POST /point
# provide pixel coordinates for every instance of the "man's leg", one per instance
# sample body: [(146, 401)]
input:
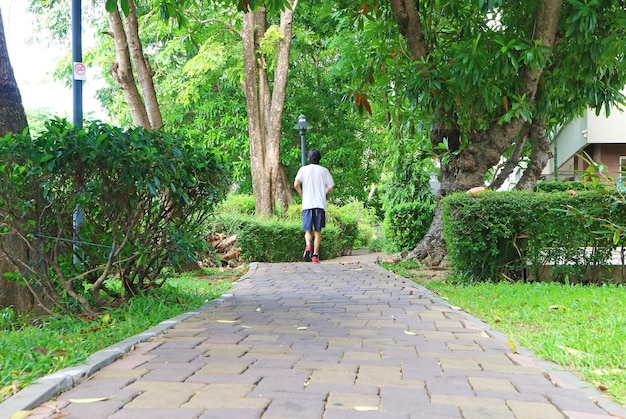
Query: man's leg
[(307, 226), (308, 249), (316, 243)]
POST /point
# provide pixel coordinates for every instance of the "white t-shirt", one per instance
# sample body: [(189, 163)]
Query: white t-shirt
[(315, 181)]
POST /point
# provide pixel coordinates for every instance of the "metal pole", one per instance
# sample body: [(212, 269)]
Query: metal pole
[(77, 89), (302, 146), (77, 57)]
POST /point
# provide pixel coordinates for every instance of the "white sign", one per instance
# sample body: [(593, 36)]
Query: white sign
[(80, 71)]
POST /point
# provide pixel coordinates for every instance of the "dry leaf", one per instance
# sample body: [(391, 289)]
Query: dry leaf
[(408, 332), (512, 345), (106, 318), (609, 371), (569, 350), (603, 387), (365, 408), (302, 328), (227, 321), (46, 351), (91, 400), (22, 414)]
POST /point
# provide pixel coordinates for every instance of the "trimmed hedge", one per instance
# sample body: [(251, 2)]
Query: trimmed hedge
[(274, 240), (406, 224), (515, 235)]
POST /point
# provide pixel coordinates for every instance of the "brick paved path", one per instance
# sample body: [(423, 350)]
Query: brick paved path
[(329, 340)]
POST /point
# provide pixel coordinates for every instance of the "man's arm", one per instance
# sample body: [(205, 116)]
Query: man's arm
[(296, 185)]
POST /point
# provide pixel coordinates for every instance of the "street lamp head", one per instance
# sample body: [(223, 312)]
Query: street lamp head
[(302, 124)]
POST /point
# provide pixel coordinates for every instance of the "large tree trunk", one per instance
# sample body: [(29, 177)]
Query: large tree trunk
[(468, 168), (129, 54), (265, 106), (540, 154), (12, 119)]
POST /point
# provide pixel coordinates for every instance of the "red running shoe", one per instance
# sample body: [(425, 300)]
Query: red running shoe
[(307, 253), (315, 259)]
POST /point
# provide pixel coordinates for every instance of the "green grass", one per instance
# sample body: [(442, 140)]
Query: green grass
[(31, 348), (580, 327)]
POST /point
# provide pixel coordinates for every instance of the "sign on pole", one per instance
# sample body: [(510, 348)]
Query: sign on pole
[(80, 71)]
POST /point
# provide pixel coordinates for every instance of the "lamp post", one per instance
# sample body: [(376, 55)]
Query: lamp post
[(302, 126), (78, 217)]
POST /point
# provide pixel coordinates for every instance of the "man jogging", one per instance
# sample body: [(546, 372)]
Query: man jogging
[(313, 183)]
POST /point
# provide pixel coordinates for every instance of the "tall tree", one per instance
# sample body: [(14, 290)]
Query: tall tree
[(265, 100), (12, 120), (493, 78), (144, 106)]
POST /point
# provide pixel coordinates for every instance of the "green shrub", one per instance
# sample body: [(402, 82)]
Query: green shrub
[(282, 239), (237, 204), (275, 240), (406, 224), (516, 234), (144, 197), (558, 186)]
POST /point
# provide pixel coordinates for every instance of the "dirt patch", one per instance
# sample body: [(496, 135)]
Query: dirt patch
[(429, 274)]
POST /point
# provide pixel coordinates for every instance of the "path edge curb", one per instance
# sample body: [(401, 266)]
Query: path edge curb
[(49, 386)]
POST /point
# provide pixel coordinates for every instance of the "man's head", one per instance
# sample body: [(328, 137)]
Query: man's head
[(314, 156)]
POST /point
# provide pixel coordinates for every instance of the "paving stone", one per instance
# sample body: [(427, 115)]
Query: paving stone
[(491, 384), (353, 401), (234, 413), (159, 394), (156, 413), (294, 407), (531, 410)]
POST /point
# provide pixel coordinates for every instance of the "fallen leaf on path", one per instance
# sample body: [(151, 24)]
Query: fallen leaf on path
[(22, 414), (512, 345), (227, 321), (90, 400), (365, 408), (408, 332), (302, 328)]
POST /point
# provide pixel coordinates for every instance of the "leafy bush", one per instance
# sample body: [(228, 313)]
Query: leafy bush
[(237, 204), (406, 223), (516, 234), (282, 239), (557, 186), (142, 198), (275, 240)]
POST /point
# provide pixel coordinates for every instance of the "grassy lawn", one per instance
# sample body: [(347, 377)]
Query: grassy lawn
[(31, 347), (580, 327)]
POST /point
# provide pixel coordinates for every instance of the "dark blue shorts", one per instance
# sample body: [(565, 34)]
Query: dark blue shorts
[(313, 219)]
